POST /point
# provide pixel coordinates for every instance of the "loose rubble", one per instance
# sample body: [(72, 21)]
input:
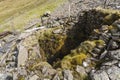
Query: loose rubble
[(64, 48)]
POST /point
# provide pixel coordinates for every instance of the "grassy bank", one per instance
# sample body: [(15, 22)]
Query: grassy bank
[(17, 13)]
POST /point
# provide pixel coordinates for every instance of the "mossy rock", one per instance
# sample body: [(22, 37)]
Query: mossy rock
[(20, 77), (80, 76), (70, 61), (75, 46), (111, 15), (78, 56), (51, 43)]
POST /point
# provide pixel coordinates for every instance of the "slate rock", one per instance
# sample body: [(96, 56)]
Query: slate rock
[(23, 55), (110, 63), (119, 64), (67, 75), (34, 77), (99, 75), (58, 31), (56, 77), (56, 24), (81, 70), (117, 24), (114, 45), (103, 54), (114, 73), (115, 54), (6, 76)]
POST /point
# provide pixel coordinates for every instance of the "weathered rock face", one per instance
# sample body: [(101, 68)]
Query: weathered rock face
[(67, 50), (110, 55)]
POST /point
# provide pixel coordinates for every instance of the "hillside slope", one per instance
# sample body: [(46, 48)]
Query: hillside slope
[(16, 13)]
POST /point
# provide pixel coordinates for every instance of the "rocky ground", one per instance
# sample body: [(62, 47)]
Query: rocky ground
[(80, 44), (82, 5)]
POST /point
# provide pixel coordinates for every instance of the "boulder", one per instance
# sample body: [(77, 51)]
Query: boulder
[(67, 75), (6, 76), (22, 56), (114, 73), (115, 54), (99, 75), (34, 77)]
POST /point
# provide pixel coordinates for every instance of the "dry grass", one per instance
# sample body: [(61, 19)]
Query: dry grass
[(18, 13)]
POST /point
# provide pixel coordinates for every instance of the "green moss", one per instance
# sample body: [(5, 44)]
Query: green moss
[(69, 61), (111, 15), (78, 59), (80, 76), (66, 62), (99, 42), (109, 19), (41, 64), (87, 46), (49, 42), (21, 77), (52, 44), (80, 54), (108, 11)]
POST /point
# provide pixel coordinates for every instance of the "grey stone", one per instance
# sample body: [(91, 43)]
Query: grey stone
[(114, 73), (6, 47), (117, 24), (36, 51), (114, 45), (10, 38), (58, 31), (103, 54), (99, 75), (114, 30), (2, 50), (12, 64), (116, 38), (22, 71), (46, 79), (15, 77), (96, 51), (81, 70), (85, 64), (68, 75), (24, 35), (110, 63), (115, 54), (23, 55), (47, 71), (56, 24), (6, 76), (9, 60), (56, 77), (119, 64), (61, 22), (104, 37), (93, 54), (100, 46), (34, 77), (71, 24), (118, 7), (14, 58)]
